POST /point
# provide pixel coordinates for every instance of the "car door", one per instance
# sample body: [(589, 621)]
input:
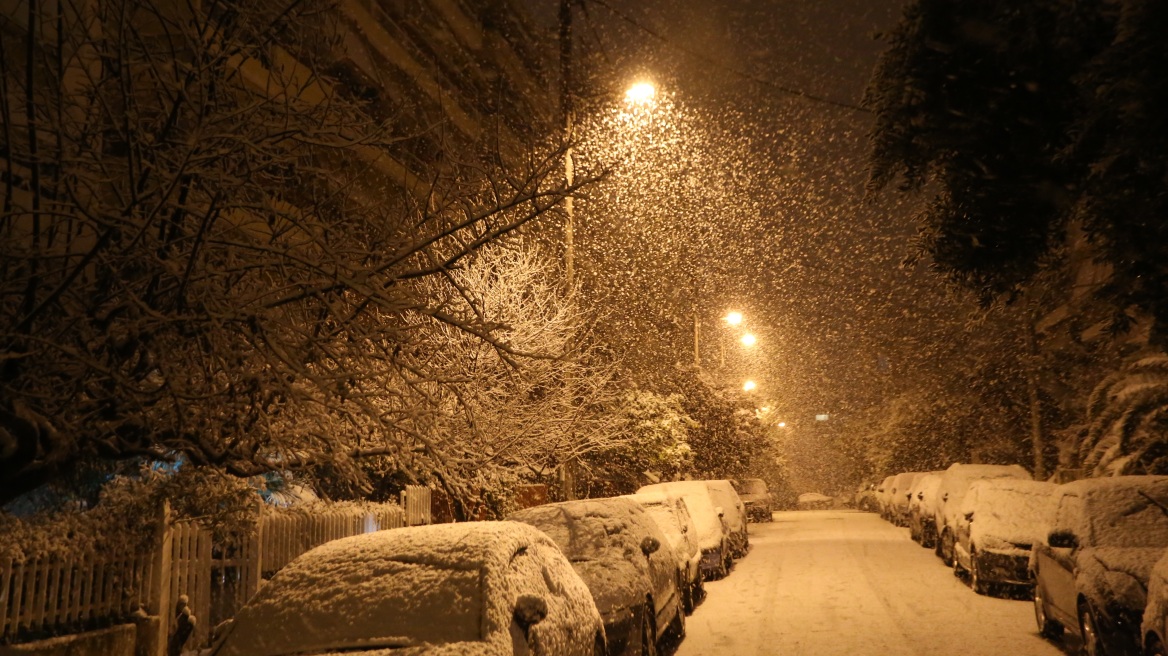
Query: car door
[(1057, 564), (570, 599), (662, 573), (525, 576)]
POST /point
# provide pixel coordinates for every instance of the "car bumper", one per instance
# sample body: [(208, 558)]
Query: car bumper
[(1003, 568), (757, 512), (711, 564)]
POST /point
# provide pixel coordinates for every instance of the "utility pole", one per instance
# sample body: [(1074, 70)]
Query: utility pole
[(569, 164), (570, 465)]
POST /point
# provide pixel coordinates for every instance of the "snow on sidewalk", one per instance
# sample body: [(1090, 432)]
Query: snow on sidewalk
[(822, 583)]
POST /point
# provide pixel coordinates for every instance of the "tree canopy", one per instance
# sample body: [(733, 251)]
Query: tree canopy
[(1026, 122)]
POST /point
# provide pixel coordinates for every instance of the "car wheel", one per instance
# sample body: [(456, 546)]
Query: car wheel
[(946, 547), (598, 648), (1089, 627), (976, 582), (1047, 627), (1155, 647), (686, 590), (677, 626), (648, 630)]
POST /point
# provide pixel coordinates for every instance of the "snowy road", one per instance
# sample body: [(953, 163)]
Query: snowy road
[(822, 583)]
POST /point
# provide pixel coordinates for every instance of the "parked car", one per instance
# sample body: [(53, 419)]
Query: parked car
[(1154, 627), (815, 501), (865, 498), (734, 511), (1000, 520), (622, 556), (1092, 572), (898, 501), (759, 503), (713, 531), (922, 527), (954, 483), (470, 588), (672, 516), (884, 495)]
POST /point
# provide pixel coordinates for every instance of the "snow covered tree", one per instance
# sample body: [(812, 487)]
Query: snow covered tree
[(654, 431), (209, 247), (1127, 420), (973, 102), (1024, 120)]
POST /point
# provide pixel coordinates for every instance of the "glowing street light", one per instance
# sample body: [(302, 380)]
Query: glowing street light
[(748, 340), (733, 318), (782, 424), (641, 93), (748, 386)]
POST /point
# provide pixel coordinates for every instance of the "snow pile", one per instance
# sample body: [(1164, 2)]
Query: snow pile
[(1009, 514), (428, 585), (701, 508)]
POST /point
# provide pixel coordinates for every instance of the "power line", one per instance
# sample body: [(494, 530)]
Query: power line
[(724, 66)]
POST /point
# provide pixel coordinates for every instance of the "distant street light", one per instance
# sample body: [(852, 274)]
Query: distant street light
[(748, 340), (782, 424), (748, 386), (641, 93), (733, 318)]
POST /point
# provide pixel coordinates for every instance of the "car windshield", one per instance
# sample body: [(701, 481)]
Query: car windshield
[(1127, 518), (588, 537), (753, 486), (359, 601)]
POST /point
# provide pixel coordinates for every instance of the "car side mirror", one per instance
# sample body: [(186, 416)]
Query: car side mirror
[(649, 545), (969, 516), (945, 497), (1062, 540), (720, 513), (920, 496), (530, 610)]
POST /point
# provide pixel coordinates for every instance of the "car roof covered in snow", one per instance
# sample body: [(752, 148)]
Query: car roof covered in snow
[(1117, 512), (1016, 511), (399, 587), (701, 508)]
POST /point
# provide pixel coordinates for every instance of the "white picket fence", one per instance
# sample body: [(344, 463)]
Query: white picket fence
[(52, 595)]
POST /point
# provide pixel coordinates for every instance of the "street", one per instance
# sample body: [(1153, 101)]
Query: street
[(819, 583)]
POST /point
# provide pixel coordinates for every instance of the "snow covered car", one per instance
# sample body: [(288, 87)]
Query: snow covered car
[(484, 588), (1091, 575), (921, 510), (673, 518), (1000, 520), (898, 501), (814, 501), (713, 529), (884, 495), (865, 498), (955, 483), (621, 555), (1155, 625), (734, 511), (757, 498)]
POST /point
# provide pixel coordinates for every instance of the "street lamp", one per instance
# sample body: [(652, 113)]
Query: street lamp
[(748, 340), (733, 318), (641, 93), (748, 386)]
